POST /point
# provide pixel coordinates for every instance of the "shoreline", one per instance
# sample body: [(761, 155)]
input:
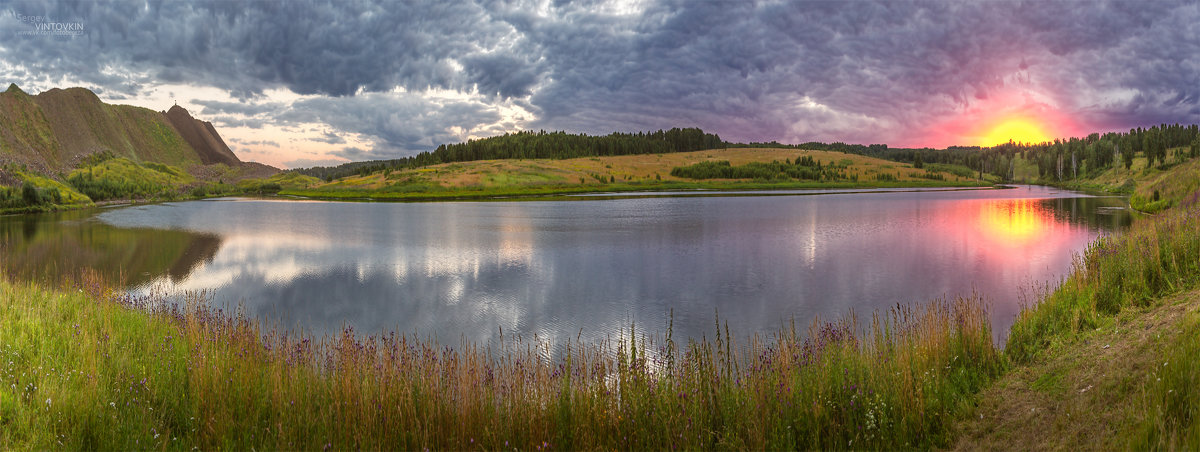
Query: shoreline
[(534, 194), (910, 377), (541, 192)]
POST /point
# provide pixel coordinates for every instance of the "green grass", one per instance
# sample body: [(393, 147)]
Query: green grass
[(1119, 281), (957, 170), (1151, 260), (121, 178), (1163, 189), (81, 370), (155, 139), (293, 180), (1172, 401), (28, 126), (46, 194), (501, 179), (802, 169), (70, 196)]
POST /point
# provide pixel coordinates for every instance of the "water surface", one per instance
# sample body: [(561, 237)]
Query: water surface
[(580, 268)]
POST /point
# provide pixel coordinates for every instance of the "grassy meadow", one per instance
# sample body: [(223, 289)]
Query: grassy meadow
[(544, 177), (106, 177)]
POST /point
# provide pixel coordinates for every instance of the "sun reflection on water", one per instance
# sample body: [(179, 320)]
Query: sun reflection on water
[(1015, 222)]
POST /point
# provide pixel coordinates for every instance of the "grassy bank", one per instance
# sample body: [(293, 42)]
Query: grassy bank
[(1129, 384), (1154, 259), (1110, 357), (105, 179), (82, 370)]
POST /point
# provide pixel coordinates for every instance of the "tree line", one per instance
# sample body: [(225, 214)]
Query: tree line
[(536, 145), (1058, 160), (1063, 159)]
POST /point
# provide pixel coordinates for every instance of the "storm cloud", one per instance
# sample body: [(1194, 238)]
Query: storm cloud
[(410, 75)]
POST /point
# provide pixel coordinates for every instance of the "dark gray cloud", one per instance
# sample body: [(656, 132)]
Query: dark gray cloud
[(503, 75), (861, 71), (310, 47)]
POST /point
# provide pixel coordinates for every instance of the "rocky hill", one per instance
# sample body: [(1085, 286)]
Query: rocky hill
[(57, 130), (201, 136)]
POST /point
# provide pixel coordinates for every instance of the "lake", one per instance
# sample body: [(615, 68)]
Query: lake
[(586, 268)]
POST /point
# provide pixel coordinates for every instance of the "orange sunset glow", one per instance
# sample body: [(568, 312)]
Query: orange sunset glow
[(1012, 115), (1018, 130)]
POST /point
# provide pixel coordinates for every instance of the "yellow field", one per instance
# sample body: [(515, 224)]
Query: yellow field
[(628, 168)]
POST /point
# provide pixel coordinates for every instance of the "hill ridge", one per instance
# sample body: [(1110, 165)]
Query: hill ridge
[(202, 136), (56, 130)]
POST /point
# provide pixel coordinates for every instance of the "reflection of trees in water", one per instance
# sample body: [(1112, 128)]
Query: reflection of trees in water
[(54, 247), (1108, 213)]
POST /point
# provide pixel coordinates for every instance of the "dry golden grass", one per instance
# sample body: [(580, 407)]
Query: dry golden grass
[(626, 168)]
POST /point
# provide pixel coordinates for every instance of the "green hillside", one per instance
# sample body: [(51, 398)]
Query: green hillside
[(25, 133), (73, 149), (54, 131)]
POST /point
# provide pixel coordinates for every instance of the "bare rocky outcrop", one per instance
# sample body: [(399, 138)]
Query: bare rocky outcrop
[(202, 137)]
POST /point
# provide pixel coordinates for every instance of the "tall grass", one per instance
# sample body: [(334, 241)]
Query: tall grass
[(1157, 257), (80, 369), (1154, 258), (1172, 402)]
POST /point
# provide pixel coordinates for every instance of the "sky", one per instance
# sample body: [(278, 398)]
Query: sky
[(306, 82)]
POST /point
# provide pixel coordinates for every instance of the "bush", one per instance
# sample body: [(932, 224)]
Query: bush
[(805, 168), (121, 178), (30, 194)]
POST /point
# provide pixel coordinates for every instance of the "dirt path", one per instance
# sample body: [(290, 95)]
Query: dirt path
[(1086, 396)]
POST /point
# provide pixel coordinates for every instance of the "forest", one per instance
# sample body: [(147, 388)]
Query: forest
[(1064, 159)]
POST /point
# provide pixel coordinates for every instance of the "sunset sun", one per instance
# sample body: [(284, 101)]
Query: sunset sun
[(1019, 130)]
